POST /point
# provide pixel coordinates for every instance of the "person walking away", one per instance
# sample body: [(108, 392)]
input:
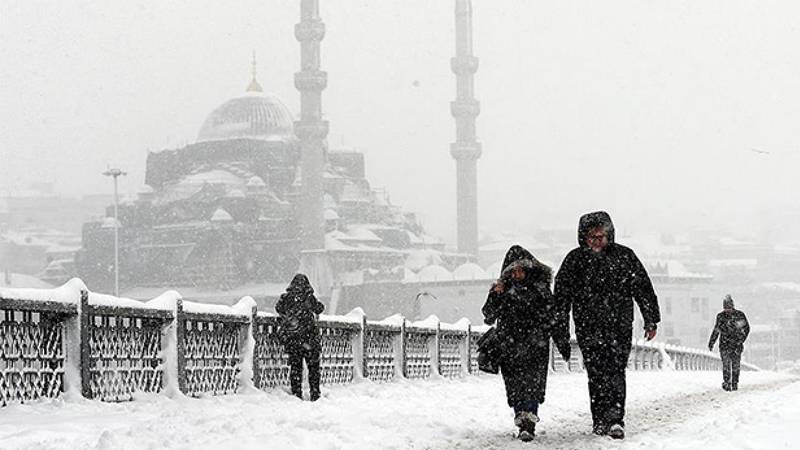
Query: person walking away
[(520, 303), (732, 329), (599, 281), (298, 332)]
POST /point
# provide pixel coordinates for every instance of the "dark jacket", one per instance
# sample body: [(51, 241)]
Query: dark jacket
[(523, 316), (298, 308), (732, 329), (600, 288)]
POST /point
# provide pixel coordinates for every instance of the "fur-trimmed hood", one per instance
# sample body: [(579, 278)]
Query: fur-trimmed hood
[(536, 271)]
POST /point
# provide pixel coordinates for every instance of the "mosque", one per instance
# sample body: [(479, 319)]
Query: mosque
[(260, 195)]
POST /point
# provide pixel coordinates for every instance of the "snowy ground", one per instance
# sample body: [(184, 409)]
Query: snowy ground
[(674, 410)]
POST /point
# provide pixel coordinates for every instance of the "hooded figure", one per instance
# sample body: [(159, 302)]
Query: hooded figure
[(299, 333), (732, 329), (520, 303), (599, 281)]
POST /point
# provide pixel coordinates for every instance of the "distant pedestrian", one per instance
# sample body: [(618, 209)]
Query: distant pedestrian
[(732, 329), (520, 303), (598, 282), (299, 333)]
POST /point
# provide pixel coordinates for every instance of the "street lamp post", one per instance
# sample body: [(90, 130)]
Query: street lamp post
[(115, 173)]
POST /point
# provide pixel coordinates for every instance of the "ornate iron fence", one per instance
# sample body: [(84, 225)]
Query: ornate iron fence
[(32, 349), (125, 351), (110, 349)]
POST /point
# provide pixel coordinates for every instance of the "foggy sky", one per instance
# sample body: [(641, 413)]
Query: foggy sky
[(648, 109)]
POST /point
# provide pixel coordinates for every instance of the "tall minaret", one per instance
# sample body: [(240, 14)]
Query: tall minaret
[(466, 150), (311, 130)]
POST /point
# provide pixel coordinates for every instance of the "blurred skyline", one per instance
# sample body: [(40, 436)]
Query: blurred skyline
[(669, 115)]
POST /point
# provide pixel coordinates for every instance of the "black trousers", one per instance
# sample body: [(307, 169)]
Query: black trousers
[(311, 355), (605, 357), (731, 363)]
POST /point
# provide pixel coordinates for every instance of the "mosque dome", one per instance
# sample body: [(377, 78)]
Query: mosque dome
[(255, 115)]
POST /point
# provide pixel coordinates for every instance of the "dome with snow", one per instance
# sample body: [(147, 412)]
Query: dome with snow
[(255, 115), (434, 272), (469, 271)]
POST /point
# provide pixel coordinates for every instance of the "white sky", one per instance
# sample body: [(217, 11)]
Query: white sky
[(648, 109)]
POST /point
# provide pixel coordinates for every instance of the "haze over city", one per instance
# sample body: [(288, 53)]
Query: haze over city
[(673, 115)]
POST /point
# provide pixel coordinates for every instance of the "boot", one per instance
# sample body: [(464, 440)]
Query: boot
[(525, 436), (526, 421), (616, 431)]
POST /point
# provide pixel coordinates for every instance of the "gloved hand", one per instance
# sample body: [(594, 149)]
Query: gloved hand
[(650, 331)]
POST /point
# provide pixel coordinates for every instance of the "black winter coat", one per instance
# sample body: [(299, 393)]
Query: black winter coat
[(732, 328), (298, 308), (523, 317), (600, 288)]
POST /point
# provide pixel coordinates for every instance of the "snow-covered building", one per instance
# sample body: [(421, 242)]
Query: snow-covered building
[(684, 297), (224, 211)]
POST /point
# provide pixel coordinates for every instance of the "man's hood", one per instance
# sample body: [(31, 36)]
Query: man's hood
[(594, 220), (517, 256)]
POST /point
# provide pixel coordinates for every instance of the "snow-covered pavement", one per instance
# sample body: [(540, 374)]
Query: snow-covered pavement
[(666, 410)]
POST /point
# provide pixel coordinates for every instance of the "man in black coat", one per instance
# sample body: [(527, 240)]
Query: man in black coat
[(732, 329), (299, 333), (598, 282), (521, 305)]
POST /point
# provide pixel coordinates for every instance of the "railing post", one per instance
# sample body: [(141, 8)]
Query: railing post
[(180, 345), (73, 377), (400, 351), (467, 361), (363, 348), (85, 351), (170, 353), (357, 342), (254, 358), (246, 352), (436, 363)]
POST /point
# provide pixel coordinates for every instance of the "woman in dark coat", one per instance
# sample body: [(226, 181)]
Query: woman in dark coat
[(521, 304), (299, 333)]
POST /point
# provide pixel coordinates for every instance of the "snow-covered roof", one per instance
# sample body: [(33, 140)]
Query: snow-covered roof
[(673, 269), (361, 234), (220, 215), (332, 241)]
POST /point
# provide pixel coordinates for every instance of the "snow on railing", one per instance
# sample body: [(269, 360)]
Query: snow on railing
[(649, 356), (78, 342)]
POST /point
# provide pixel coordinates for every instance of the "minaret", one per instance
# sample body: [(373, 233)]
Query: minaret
[(254, 86), (311, 130), (466, 150)]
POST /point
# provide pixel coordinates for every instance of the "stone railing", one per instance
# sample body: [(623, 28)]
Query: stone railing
[(101, 347)]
